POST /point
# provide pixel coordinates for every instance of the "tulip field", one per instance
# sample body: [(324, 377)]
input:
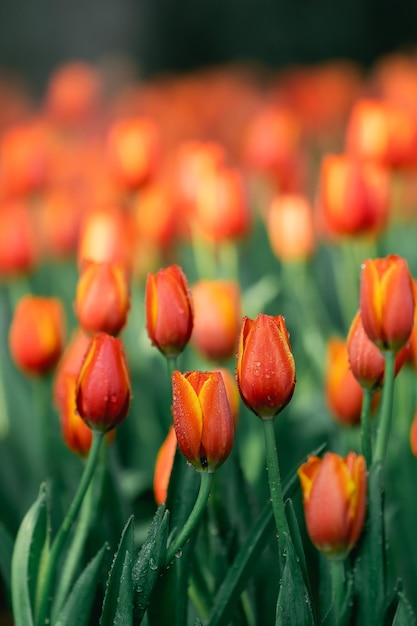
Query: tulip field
[(208, 405)]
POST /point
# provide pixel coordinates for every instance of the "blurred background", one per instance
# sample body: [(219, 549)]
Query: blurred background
[(164, 35)]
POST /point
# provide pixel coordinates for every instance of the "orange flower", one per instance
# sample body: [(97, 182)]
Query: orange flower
[(334, 496), (412, 345), (265, 365), (202, 418), (36, 334), (169, 312), (106, 236), (366, 360), (103, 386), (133, 151), (354, 196), (163, 466), (102, 297), (382, 132), (217, 318), (387, 301), (290, 227), (344, 395), (70, 364), (221, 211), (19, 248), (75, 432)]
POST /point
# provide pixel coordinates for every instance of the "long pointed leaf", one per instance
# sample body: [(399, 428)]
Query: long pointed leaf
[(77, 608), (31, 543)]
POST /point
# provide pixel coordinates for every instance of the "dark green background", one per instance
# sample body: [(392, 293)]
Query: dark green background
[(36, 35)]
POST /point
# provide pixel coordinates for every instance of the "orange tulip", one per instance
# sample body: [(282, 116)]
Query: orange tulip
[(70, 364), (366, 360), (102, 297), (36, 334), (344, 395), (232, 393), (387, 301), (202, 418), (103, 385), (265, 365), (75, 432), (133, 151), (19, 247), (163, 466), (354, 196), (334, 496), (169, 311), (412, 345), (217, 318), (382, 132), (290, 227)]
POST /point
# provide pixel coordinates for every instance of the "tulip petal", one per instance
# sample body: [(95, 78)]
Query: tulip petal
[(218, 426), (188, 417)]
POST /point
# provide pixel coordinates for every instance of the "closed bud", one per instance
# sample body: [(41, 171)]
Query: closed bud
[(169, 311), (103, 387), (334, 497), (202, 418), (102, 297), (387, 301), (265, 365), (217, 318), (36, 335)]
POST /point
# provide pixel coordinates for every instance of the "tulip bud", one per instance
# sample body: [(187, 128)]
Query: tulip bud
[(202, 418), (290, 227), (344, 395), (334, 498), (387, 301), (103, 386), (217, 318), (19, 248), (36, 334), (75, 432), (133, 151), (366, 360), (265, 365), (169, 312), (232, 393), (163, 466), (102, 297), (354, 196)]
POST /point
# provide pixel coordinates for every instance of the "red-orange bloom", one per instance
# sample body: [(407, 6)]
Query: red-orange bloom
[(354, 196), (387, 301), (19, 248), (217, 318), (366, 360), (202, 418), (232, 393), (133, 151), (265, 370), (290, 227), (163, 466), (334, 496), (36, 334), (102, 297), (75, 432), (169, 311), (344, 395), (103, 386)]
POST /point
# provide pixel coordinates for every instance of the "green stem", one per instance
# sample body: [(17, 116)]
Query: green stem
[(275, 484), (88, 513), (366, 430), (194, 518), (386, 407), (171, 366), (46, 583), (337, 570)]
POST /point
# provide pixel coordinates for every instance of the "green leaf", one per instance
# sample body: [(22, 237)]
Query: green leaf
[(6, 552), (293, 606), (28, 554), (77, 608), (404, 615), (118, 599), (149, 562)]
